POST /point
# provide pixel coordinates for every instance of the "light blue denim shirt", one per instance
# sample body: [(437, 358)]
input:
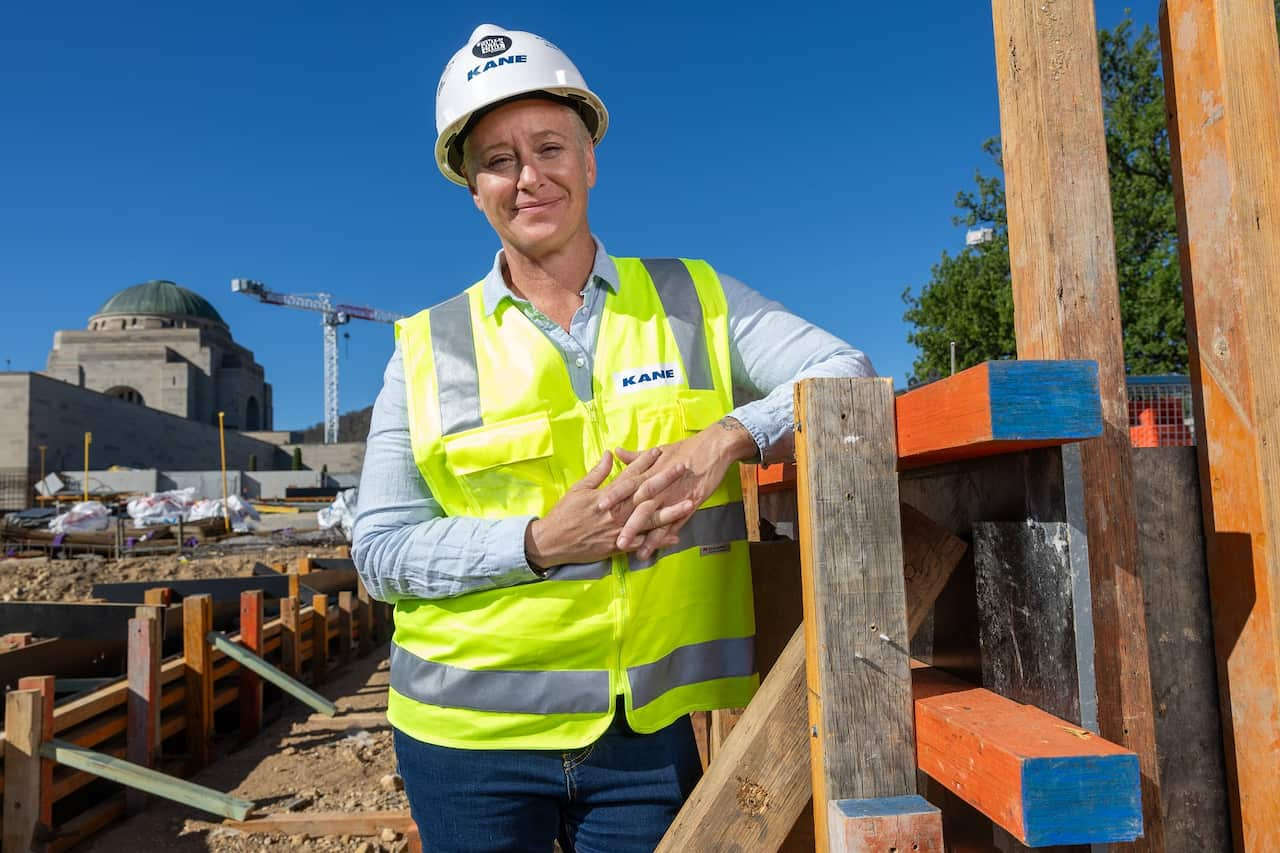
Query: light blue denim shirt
[(406, 547)]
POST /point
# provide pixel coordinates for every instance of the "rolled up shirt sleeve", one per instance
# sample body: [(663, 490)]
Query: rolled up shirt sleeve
[(770, 349), (403, 544)]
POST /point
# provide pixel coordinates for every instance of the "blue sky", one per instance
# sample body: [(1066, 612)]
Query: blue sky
[(812, 150)]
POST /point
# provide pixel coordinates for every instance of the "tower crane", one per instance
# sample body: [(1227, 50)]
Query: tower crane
[(332, 316)]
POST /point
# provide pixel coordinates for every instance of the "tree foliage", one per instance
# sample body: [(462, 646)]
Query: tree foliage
[(969, 298)]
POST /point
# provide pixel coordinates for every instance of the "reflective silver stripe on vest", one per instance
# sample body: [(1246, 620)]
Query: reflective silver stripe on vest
[(709, 527), (680, 301), (453, 345), (692, 664), (505, 690), (581, 571)]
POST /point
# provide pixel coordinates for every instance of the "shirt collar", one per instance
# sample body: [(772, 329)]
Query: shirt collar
[(494, 289)]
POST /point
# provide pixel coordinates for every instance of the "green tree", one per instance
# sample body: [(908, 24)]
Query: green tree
[(297, 459), (969, 299)]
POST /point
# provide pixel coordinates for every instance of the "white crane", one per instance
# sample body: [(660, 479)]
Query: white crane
[(332, 316)]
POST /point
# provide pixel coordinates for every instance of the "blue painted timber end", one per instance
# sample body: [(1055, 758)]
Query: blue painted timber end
[(1033, 400), (1081, 800), (907, 804)]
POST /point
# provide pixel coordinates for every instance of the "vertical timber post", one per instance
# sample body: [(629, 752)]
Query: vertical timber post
[(23, 723), (143, 707), (855, 612), (1222, 85), (290, 637), (319, 637), (46, 685), (197, 622), (250, 682), (1066, 305), (346, 624)]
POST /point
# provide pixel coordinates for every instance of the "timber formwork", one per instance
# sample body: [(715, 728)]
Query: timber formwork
[(162, 692)]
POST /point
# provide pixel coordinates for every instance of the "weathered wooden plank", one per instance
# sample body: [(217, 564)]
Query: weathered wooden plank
[(1222, 84), (886, 823), (23, 716), (346, 624), (325, 823), (1183, 676), (143, 705), (319, 638), (854, 601), (748, 799), (265, 670), (197, 622), (291, 637), (48, 696), (250, 684), (1066, 305), (151, 781)]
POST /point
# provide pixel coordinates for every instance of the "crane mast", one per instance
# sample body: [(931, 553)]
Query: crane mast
[(331, 317)]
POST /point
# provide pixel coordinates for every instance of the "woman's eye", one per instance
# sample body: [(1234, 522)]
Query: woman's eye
[(500, 162), (550, 150)]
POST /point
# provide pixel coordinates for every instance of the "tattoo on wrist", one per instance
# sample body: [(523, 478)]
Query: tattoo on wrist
[(731, 424)]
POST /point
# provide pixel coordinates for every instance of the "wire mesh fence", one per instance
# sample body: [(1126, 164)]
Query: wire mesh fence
[(15, 489), (1160, 411)]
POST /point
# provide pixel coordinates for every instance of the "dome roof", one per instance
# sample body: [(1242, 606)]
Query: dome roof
[(160, 297)]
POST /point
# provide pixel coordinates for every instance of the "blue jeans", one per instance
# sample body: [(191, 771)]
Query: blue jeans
[(617, 795)]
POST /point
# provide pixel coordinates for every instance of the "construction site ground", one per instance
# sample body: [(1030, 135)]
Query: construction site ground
[(290, 764)]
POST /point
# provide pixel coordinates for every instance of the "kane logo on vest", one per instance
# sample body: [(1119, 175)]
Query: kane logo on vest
[(638, 379), (490, 46)]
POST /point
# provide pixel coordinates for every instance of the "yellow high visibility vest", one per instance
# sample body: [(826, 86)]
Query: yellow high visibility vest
[(497, 430)]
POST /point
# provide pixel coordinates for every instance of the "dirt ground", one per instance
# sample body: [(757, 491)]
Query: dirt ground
[(330, 771), (45, 579)]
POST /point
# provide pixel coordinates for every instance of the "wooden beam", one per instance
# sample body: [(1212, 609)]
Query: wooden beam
[(356, 720), (887, 823), (998, 407), (250, 684), (1222, 81), (759, 784), (854, 601), (23, 716), (346, 624), (151, 781), (291, 637), (319, 638), (1066, 305), (1046, 782), (289, 685), (325, 823), (143, 705), (197, 622), (46, 684)]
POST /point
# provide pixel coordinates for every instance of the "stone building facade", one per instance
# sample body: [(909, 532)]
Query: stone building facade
[(160, 345)]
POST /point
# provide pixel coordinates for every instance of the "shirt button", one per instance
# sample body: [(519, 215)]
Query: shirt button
[(581, 362)]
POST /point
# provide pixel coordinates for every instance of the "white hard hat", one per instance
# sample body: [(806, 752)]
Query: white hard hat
[(497, 65)]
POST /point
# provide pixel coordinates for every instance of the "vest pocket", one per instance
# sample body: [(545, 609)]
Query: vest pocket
[(699, 409), (506, 468)]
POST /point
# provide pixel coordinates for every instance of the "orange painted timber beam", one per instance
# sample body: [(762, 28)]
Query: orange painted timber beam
[(992, 408), (1044, 780)]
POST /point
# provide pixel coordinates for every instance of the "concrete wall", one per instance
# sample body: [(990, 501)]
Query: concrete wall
[(271, 485), (344, 456), (35, 410)]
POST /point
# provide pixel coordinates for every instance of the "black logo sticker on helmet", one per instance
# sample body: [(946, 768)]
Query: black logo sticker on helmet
[(491, 46)]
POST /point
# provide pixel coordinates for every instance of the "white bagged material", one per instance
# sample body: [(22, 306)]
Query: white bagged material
[(161, 507), (86, 517), (340, 514), (244, 518)]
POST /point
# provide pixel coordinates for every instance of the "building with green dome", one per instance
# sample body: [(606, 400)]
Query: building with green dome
[(160, 345)]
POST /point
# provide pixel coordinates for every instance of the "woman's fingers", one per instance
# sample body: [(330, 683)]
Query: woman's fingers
[(624, 487), (597, 475)]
